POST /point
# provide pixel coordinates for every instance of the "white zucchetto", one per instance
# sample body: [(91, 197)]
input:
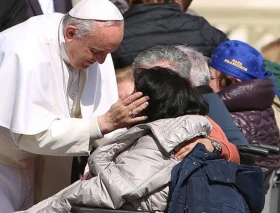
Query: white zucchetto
[(103, 10)]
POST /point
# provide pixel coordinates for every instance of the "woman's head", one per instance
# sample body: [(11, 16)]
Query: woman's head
[(170, 95), (125, 81), (235, 61)]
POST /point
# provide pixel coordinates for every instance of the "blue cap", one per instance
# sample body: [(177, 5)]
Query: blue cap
[(240, 60)]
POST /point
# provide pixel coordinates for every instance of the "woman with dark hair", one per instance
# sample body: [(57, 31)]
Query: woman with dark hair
[(170, 95), (133, 170)]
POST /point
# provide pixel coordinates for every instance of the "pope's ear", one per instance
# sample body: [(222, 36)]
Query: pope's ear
[(70, 32)]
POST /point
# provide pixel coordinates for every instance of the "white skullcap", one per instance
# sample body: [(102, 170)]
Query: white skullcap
[(102, 10)]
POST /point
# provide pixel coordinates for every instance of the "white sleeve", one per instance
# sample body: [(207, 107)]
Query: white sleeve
[(65, 137)]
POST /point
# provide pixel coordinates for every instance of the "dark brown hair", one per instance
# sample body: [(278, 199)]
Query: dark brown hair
[(226, 80), (170, 95)]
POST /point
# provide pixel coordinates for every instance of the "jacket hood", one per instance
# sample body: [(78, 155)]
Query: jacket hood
[(168, 132), (257, 94), (171, 132)]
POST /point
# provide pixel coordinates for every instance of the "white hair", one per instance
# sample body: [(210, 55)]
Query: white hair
[(199, 72), (85, 27), (164, 56)]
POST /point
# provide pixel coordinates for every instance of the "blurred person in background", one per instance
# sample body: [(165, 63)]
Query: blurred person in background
[(125, 81), (271, 54), (39, 7), (150, 23), (240, 79), (12, 12), (271, 51)]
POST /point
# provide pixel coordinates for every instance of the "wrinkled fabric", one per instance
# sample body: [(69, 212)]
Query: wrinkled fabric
[(219, 113), (148, 25), (249, 103), (133, 170), (203, 183)]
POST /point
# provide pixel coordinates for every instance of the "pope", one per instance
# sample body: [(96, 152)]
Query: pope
[(59, 93)]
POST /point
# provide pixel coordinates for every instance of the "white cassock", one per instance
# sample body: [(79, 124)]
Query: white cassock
[(38, 91)]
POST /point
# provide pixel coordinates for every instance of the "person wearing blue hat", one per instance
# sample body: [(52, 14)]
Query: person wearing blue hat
[(239, 77), (236, 61)]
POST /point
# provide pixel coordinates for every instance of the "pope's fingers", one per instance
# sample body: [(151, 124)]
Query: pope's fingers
[(131, 98), (140, 108), (139, 119), (139, 104)]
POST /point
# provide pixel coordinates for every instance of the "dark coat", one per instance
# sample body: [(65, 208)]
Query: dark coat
[(148, 25), (61, 6), (249, 103), (203, 183), (12, 12), (220, 114)]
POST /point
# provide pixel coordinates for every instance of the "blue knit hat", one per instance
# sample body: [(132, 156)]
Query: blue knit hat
[(239, 60)]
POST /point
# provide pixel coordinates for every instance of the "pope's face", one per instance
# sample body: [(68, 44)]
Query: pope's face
[(84, 51)]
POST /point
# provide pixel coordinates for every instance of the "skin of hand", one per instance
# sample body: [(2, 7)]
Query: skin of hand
[(185, 148), (119, 116)]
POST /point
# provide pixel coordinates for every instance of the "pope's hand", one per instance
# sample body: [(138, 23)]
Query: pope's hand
[(124, 113), (185, 148)]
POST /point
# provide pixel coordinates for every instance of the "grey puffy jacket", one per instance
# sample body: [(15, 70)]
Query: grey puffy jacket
[(133, 170)]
